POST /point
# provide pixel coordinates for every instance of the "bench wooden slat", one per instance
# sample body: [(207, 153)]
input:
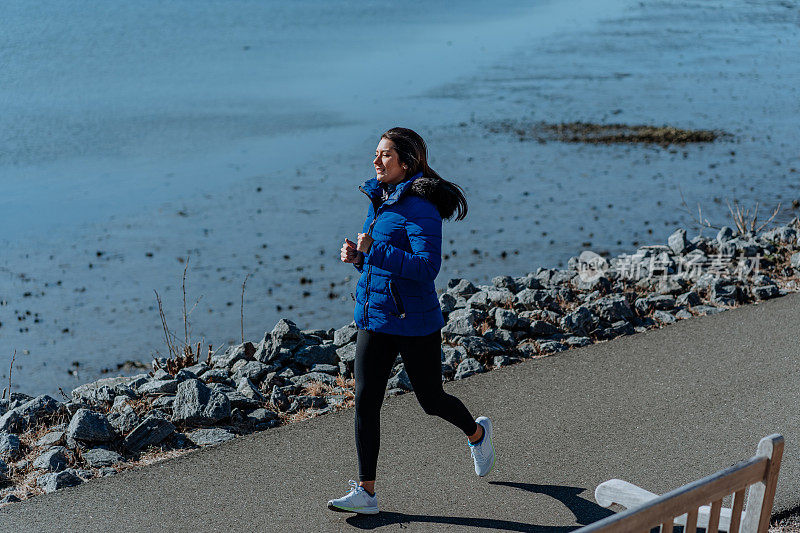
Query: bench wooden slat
[(736, 512), (691, 522), (713, 519), (666, 527)]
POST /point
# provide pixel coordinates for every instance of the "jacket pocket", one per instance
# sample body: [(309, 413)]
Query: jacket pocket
[(398, 303)]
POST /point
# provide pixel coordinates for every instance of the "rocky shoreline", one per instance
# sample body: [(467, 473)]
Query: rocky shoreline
[(123, 422)]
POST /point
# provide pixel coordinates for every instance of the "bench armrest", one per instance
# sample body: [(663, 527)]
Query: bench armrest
[(629, 495)]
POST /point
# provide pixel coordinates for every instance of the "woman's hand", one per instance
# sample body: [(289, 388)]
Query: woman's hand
[(364, 242), (349, 252)]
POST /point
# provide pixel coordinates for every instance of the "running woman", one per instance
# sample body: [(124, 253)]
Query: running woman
[(397, 309)]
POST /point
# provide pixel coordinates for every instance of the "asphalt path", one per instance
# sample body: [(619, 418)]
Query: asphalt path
[(659, 409)]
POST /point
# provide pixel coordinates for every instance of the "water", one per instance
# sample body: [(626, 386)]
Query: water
[(237, 133)]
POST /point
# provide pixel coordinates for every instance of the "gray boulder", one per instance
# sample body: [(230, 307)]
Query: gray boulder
[(550, 346), (54, 437), (461, 287), (197, 404), (99, 457), (345, 335), (347, 357), (400, 381), (245, 351), (581, 321), (317, 354), (468, 367), (279, 399), (725, 234), (795, 261), (665, 317), (540, 328), (313, 377), (458, 326), (479, 347), (124, 419), (89, 426), (505, 282), (765, 292), (58, 480), (507, 319), (19, 418), (724, 292), (159, 386), (654, 302), (53, 460), (689, 298), (678, 242), (210, 436), (152, 430), (9, 445), (252, 370), (611, 308)]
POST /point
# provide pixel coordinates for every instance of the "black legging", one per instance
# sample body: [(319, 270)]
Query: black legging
[(375, 356)]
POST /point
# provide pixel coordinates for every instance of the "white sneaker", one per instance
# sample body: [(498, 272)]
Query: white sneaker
[(483, 453), (357, 500)]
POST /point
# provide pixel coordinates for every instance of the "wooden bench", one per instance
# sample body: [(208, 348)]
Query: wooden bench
[(698, 504)]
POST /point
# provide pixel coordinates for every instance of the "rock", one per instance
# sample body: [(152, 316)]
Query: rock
[(670, 285), (540, 328), (786, 234), (160, 375), (501, 336), (611, 308), (531, 299), (101, 389), (458, 326), (725, 234), (468, 367), (313, 377), (794, 261), (252, 370), (345, 335), (246, 387), (164, 402), (707, 309), (317, 354), (154, 429), (461, 287), (106, 471), (54, 437), (550, 346), (723, 292), (621, 327), (529, 281), (89, 426), (689, 298), (19, 418), (304, 401), (9, 445), (9, 498), (651, 303), (245, 351), (279, 399), (347, 356), (447, 302), (196, 404), (505, 282), (99, 457), (261, 416), (765, 292), (577, 341), (678, 242), (123, 420), (581, 321), (53, 460), (183, 374), (479, 347), (159, 386), (58, 480), (400, 381), (683, 314), (325, 369), (507, 319), (215, 375), (664, 317)]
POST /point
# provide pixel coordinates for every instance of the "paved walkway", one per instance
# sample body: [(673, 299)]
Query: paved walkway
[(659, 408)]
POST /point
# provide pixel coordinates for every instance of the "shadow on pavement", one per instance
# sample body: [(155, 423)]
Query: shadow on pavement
[(584, 510)]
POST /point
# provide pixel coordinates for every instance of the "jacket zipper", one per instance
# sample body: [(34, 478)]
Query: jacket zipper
[(375, 208)]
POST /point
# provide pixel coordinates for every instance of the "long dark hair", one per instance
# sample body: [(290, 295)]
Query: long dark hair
[(413, 152)]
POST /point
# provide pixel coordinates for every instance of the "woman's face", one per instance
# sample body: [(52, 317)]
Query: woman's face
[(388, 168)]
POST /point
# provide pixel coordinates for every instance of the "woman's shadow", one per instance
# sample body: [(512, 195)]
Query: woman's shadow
[(585, 512)]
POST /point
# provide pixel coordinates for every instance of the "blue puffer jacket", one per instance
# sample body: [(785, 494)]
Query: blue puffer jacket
[(395, 292)]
